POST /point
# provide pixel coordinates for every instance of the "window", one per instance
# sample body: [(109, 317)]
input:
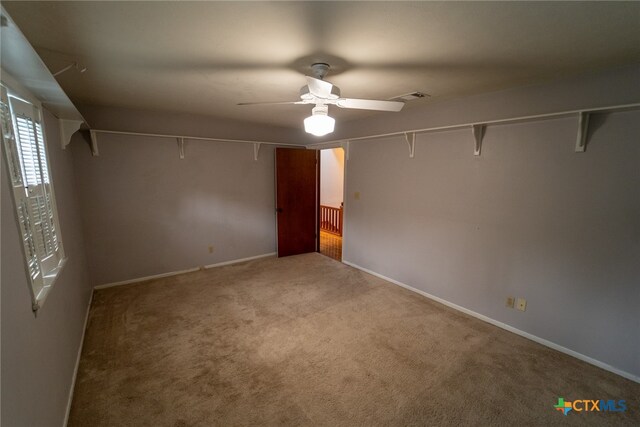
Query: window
[(30, 179)]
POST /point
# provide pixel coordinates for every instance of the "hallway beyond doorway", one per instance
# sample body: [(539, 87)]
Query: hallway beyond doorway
[(330, 209), (331, 245)]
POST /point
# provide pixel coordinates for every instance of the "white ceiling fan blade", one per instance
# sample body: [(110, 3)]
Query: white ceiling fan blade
[(370, 104), (319, 88), (271, 103)]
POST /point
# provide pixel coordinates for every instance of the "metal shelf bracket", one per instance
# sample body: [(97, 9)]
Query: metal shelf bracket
[(478, 134), (583, 130), (67, 129), (94, 143), (410, 137), (345, 147), (181, 147)]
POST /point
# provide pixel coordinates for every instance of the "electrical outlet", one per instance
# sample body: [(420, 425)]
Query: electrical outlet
[(510, 302), (522, 304), (356, 195), (210, 249)]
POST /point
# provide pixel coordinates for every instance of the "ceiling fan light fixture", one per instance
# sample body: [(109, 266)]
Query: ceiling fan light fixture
[(319, 123)]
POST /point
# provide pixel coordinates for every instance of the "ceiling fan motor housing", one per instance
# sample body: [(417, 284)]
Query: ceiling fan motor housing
[(320, 70)]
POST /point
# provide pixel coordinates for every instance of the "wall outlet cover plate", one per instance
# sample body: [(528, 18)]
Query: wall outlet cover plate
[(522, 304)]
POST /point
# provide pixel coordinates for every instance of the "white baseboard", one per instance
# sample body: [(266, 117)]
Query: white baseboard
[(509, 328), (175, 273), (75, 370), (142, 279), (235, 261)]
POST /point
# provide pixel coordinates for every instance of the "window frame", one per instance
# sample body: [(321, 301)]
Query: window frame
[(49, 265)]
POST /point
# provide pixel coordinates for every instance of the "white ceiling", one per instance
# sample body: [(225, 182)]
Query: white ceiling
[(205, 57)]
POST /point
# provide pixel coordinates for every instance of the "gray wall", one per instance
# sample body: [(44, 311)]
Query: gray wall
[(591, 90), (160, 122), (148, 212), (39, 354), (528, 218)]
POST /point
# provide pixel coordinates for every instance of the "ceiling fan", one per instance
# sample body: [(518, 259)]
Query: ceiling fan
[(322, 94)]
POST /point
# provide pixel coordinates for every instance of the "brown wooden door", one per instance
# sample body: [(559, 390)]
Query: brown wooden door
[(296, 200)]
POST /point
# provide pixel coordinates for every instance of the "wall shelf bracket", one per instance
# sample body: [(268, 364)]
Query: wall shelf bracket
[(181, 147), (345, 147), (410, 137), (583, 130), (478, 134), (67, 129), (256, 150), (94, 143)]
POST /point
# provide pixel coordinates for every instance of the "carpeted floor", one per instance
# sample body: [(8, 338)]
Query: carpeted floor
[(306, 340)]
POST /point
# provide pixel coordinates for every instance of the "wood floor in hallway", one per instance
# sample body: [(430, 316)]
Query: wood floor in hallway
[(331, 245)]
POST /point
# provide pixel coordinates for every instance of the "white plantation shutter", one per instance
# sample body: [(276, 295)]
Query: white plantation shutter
[(42, 154), (28, 149), (26, 154), (20, 192), (15, 169), (33, 265)]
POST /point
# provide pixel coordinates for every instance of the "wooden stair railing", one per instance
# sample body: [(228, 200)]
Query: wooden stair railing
[(331, 219)]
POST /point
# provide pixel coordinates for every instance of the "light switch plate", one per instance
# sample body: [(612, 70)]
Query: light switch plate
[(511, 301), (356, 195)]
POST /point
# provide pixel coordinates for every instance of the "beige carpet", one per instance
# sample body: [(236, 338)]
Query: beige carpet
[(306, 340)]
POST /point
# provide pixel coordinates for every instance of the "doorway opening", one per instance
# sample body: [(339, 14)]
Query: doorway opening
[(331, 212)]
